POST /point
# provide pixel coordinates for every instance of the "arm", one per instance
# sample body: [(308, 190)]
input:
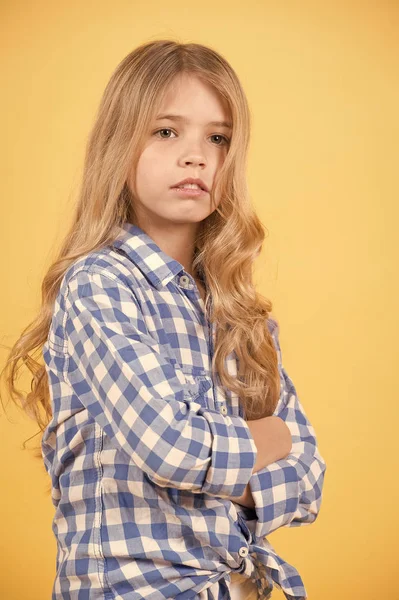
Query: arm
[(288, 492), (130, 386), (246, 499), (273, 441)]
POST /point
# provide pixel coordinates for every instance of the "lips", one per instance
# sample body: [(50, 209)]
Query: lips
[(199, 182)]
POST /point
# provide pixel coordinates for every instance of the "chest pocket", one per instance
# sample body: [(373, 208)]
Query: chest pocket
[(198, 386)]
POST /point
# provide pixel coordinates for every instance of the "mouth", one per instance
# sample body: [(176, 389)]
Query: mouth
[(192, 181), (189, 192)]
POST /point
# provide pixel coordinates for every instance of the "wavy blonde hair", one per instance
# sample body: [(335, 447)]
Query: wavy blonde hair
[(228, 242)]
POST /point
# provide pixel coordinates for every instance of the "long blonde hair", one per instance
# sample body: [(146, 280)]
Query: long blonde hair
[(229, 240)]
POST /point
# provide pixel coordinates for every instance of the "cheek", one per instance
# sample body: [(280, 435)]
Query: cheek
[(143, 164), (151, 169)]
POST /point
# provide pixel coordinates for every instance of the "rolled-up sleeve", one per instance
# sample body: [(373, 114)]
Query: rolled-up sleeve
[(288, 492), (132, 389)]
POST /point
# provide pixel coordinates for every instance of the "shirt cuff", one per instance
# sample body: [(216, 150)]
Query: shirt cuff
[(234, 455)]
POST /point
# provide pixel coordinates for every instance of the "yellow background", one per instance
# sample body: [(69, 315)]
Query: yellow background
[(322, 83)]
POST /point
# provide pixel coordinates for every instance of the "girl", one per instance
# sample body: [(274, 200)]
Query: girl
[(173, 436)]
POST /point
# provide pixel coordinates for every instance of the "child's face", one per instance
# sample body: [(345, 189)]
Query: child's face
[(186, 149)]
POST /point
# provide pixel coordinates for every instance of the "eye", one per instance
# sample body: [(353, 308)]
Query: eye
[(225, 139), (163, 129)]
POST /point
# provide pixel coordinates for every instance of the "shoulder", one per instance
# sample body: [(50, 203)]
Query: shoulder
[(274, 330), (273, 325), (104, 264), (102, 280)]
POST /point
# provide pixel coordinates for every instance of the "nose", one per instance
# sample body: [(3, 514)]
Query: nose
[(195, 161), (194, 155)]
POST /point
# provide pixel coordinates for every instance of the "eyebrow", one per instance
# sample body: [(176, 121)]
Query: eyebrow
[(226, 124)]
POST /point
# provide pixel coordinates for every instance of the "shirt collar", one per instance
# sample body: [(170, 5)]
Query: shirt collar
[(156, 265)]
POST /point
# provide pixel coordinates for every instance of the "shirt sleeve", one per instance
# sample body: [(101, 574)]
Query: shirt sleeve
[(288, 492), (130, 386)]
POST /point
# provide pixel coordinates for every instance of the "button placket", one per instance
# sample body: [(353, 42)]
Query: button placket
[(185, 283), (244, 528)]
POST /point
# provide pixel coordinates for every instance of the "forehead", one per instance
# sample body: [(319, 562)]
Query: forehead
[(188, 98)]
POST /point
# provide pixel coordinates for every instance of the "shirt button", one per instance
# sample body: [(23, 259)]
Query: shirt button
[(223, 410), (243, 551), (184, 280)]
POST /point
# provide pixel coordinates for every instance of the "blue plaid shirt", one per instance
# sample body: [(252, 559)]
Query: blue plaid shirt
[(145, 449)]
